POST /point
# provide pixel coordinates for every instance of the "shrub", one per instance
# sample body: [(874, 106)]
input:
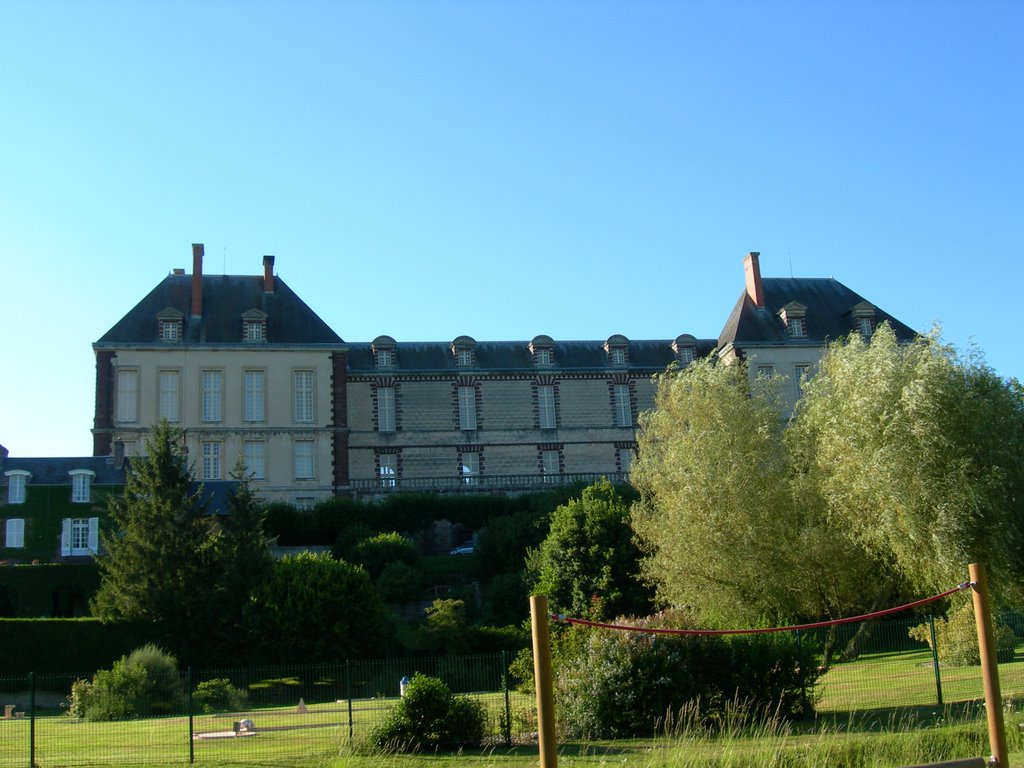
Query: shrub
[(144, 683), (956, 638), (616, 685), (376, 552), (399, 583), (430, 716), (218, 695)]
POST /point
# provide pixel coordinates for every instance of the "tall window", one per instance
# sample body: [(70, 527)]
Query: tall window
[(211, 460), (303, 459), (800, 375), (255, 401), (79, 535), (765, 371), (14, 537), (866, 326), (170, 398), (685, 355), (546, 406), (81, 483), (16, 486), (255, 457), (796, 327), (623, 409), (625, 459), (303, 396), (551, 465), (470, 468), (128, 396), (385, 409), (467, 408), (388, 469), (212, 395), (385, 358)]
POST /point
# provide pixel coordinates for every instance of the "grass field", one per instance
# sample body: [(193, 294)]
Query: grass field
[(881, 710)]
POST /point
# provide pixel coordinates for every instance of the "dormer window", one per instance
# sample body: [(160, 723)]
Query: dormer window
[(81, 485), (17, 479), (254, 327), (543, 350), (169, 325), (464, 351), (794, 315), (864, 319), (617, 348), (383, 349), (685, 347)]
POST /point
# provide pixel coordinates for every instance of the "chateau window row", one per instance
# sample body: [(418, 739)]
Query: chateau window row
[(801, 372), (467, 407), (79, 535), (81, 485), (254, 460), (212, 400), (468, 464)]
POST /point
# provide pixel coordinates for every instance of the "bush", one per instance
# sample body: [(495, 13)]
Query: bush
[(957, 638), (619, 685), (430, 716), (144, 683), (218, 695), (376, 552), (164, 687), (399, 583)]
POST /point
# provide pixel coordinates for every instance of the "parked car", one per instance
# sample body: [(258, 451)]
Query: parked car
[(465, 549)]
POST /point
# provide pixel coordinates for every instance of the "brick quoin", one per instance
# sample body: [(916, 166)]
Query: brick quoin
[(103, 421)]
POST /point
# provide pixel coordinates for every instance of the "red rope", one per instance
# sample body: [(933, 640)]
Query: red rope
[(812, 625)]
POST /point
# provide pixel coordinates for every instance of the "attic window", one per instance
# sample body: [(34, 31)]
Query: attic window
[(617, 348), (169, 325), (254, 327), (383, 349), (864, 318), (16, 481), (81, 484), (464, 351), (542, 349), (685, 347), (794, 315)]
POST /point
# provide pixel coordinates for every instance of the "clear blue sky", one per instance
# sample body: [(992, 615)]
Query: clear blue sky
[(500, 169)]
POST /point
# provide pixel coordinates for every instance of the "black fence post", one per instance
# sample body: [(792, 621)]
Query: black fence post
[(348, 696), (508, 703), (191, 725), (935, 658), (32, 719)]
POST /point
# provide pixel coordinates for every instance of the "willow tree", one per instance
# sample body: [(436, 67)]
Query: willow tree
[(916, 452), (730, 531)]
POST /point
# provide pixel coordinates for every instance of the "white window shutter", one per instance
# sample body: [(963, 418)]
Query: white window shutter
[(94, 535), (15, 537), (65, 537)]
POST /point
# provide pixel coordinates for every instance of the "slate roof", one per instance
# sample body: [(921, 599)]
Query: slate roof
[(829, 317), (225, 298), (436, 356), (54, 471)]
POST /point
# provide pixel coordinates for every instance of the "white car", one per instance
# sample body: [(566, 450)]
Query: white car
[(465, 549)]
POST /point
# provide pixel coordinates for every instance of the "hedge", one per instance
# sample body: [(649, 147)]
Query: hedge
[(52, 646)]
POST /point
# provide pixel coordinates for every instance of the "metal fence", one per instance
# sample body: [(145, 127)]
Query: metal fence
[(285, 712), (315, 711)]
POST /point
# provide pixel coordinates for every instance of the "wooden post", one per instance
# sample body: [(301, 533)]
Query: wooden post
[(542, 678), (989, 666)]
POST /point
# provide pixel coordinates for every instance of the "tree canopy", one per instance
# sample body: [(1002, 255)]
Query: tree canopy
[(916, 453), (900, 465), (588, 564), (172, 566), (730, 532)]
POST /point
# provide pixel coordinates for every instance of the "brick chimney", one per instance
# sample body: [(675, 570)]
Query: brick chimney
[(268, 274), (197, 279), (752, 271)]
